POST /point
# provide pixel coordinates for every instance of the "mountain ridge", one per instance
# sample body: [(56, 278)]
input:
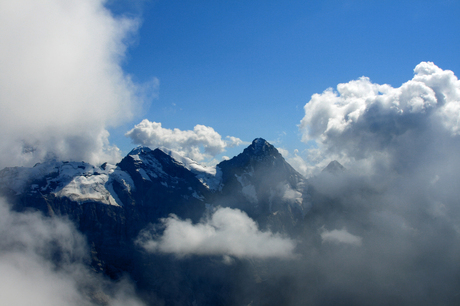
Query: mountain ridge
[(111, 204)]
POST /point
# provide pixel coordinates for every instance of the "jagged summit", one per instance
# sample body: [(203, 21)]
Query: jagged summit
[(139, 149), (260, 182), (259, 144), (261, 147), (259, 153), (163, 164)]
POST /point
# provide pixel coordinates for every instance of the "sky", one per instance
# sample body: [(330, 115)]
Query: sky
[(247, 68), (91, 80)]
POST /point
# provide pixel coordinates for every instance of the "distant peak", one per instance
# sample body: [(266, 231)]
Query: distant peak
[(139, 149), (334, 167)]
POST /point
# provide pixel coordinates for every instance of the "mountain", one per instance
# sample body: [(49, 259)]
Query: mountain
[(111, 204), (347, 240), (334, 167), (260, 182)]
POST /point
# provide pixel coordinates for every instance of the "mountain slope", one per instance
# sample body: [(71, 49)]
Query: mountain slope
[(260, 182), (111, 204)]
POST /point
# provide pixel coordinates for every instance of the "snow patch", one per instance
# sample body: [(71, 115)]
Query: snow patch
[(88, 189), (147, 165), (144, 174), (211, 177), (78, 181), (248, 189)]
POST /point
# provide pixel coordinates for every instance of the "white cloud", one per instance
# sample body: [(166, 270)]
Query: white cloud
[(378, 124), (228, 232), (43, 261), (283, 152), (340, 236), (399, 194), (61, 79), (201, 143)]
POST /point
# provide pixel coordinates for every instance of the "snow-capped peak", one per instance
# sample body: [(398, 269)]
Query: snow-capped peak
[(188, 163), (139, 149), (78, 181), (208, 176)]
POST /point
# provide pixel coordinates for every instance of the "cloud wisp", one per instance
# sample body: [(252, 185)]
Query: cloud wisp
[(228, 232), (340, 236), (62, 81), (203, 142), (44, 261)]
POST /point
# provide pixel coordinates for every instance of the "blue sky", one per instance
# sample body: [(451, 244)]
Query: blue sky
[(244, 68), (247, 68)]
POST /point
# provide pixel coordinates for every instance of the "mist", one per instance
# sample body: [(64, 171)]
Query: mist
[(45, 261)]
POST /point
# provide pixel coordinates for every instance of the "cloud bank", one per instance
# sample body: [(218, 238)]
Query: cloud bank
[(61, 81), (229, 232), (201, 143), (385, 230), (44, 261), (378, 124)]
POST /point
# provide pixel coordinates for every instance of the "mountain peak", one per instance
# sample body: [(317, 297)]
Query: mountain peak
[(139, 149), (261, 147), (334, 167), (259, 144)]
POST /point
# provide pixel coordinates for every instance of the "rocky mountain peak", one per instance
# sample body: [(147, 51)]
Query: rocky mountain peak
[(260, 182), (139, 149), (259, 154), (260, 147)]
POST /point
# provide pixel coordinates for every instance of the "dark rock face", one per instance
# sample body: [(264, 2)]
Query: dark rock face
[(112, 204), (163, 186), (260, 182)]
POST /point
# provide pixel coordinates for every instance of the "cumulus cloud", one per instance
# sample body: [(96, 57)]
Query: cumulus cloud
[(201, 143), (61, 79), (228, 232), (378, 124), (43, 261), (398, 197), (283, 152)]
